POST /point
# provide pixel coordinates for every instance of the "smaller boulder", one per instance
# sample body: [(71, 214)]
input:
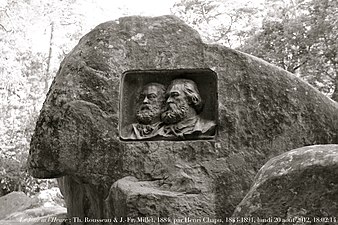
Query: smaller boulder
[(299, 186), (147, 202), (15, 202), (43, 209)]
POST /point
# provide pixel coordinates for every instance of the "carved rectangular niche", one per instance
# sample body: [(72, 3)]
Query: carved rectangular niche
[(152, 104)]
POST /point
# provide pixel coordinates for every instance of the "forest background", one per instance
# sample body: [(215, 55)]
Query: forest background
[(299, 36)]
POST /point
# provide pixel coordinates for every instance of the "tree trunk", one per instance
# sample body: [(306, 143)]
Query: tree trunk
[(49, 56)]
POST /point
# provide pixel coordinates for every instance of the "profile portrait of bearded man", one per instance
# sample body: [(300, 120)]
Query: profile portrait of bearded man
[(183, 104), (148, 112)]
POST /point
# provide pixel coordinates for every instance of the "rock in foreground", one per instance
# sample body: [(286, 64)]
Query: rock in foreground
[(129, 198), (15, 202), (301, 184), (18, 208)]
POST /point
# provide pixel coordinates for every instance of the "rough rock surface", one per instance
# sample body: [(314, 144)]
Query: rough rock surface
[(130, 198), (263, 111), (298, 186)]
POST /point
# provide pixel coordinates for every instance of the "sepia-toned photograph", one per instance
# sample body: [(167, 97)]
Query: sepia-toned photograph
[(187, 112)]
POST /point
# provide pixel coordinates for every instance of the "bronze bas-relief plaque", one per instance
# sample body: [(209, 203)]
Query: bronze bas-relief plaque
[(168, 104)]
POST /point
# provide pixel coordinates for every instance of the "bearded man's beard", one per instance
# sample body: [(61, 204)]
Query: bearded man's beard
[(147, 113), (175, 113)]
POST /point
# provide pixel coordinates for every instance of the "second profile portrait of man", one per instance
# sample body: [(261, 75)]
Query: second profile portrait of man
[(171, 113)]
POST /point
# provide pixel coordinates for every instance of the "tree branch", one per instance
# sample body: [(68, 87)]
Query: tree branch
[(203, 14), (224, 34), (3, 28), (299, 65)]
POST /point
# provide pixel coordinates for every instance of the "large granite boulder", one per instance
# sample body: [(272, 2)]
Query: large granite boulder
[(260, 110), (299, 186)]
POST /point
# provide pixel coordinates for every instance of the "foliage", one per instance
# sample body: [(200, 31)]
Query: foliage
[(221, 21), (301, 37), (33, 38), (14, 177)]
